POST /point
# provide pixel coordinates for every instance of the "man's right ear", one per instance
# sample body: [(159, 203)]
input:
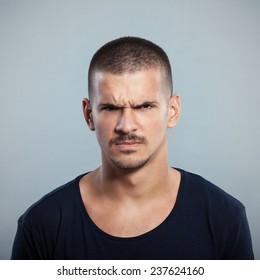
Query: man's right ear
[(87, 111)]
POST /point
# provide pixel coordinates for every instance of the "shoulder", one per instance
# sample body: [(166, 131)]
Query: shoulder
[(51, 206), (217, 208), (218, 213), (206, 192)]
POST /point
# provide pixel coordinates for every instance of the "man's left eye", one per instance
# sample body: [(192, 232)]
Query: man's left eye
[(146, 106)]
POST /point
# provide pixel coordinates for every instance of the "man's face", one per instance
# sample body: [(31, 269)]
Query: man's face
[(130, 114)]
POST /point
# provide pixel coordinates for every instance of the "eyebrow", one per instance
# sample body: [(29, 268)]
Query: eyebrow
[(112, 105)]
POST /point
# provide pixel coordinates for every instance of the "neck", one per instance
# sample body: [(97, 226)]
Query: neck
[(138, 185)]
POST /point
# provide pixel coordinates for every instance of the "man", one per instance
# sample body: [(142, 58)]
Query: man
[(134, 206)]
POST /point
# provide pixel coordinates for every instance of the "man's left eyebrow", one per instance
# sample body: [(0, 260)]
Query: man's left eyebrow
[(152, 103)]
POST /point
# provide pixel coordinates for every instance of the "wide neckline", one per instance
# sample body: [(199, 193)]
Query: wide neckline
[(133, 238)]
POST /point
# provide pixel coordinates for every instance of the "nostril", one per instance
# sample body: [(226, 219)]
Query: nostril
[(126, 123)]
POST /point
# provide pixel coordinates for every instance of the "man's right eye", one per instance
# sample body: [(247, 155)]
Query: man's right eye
[(109, 108)]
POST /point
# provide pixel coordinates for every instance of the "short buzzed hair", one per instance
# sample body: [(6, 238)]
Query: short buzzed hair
[(128, 55)]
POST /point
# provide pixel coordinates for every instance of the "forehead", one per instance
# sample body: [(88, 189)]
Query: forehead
[(127, 87)]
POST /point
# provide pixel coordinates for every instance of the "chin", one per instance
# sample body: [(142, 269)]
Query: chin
[(130, 165)]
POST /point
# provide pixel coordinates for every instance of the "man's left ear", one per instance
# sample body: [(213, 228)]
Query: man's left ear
[(174, 110)]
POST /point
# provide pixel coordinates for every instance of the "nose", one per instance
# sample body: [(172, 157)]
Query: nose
[(126, 123)]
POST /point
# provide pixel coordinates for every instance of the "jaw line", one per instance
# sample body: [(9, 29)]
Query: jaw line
[(129, 167)]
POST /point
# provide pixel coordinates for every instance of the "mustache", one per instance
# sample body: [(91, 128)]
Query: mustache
[(127, 137)]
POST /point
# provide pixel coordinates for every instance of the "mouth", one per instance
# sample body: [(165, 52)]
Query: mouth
[(127, 144)]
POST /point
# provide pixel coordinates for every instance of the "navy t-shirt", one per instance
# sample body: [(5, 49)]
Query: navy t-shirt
[(205, 223)]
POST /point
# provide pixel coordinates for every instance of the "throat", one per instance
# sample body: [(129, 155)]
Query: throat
[(142, 182), (130, 220), (128, 210)]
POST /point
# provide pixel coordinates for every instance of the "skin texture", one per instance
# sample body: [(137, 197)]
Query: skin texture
[(134, 190)]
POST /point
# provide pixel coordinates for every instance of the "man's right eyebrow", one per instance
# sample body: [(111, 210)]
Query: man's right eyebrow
[(109, 105)]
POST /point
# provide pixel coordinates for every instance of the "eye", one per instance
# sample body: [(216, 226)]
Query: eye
[(109, 108), (145, 106)]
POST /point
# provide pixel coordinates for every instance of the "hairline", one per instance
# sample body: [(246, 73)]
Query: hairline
[(96, 70)]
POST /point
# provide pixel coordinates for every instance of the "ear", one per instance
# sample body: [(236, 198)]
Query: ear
[(87, 111), (174, 110)]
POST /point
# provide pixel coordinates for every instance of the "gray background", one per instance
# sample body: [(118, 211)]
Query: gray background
[(45, 49)]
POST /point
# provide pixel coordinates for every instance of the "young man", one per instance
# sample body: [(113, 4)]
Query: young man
[(134, 206)]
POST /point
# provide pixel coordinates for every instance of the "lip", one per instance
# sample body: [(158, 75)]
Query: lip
[(127, 143)]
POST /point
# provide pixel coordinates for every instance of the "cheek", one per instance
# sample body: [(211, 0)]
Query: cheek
[(104, 129), (155, 122), (155, 131)]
